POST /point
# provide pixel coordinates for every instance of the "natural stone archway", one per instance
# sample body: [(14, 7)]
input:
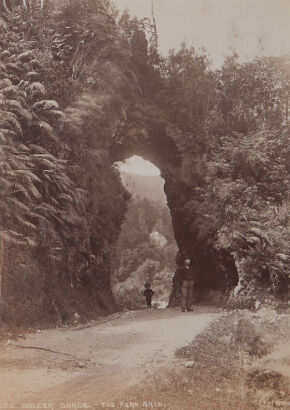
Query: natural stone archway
[(213, 270)]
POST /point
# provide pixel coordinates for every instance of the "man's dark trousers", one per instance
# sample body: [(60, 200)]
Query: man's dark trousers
[(186, 294)]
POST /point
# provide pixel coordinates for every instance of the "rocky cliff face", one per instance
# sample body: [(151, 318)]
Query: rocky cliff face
[(214, 270)]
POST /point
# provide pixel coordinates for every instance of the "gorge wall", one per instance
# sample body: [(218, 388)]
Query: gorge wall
[(82, 88)]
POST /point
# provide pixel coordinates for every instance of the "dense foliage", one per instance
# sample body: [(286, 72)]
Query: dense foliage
[(145, 252), (235, 139), (61, 202), (81, 87), (136, 243)]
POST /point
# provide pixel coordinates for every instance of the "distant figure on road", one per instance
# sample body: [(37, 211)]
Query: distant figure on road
[(148, 293), (185, 275)]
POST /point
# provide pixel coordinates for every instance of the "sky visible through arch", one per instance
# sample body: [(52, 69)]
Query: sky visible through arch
[(138, 165)]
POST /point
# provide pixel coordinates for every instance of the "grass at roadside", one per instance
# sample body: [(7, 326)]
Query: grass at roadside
[(223, 368)]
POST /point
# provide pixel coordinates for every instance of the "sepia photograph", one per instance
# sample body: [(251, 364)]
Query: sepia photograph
[(145, 204)]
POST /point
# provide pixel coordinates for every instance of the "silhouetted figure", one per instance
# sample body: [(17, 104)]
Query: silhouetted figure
[(185, 275), (148, 293)]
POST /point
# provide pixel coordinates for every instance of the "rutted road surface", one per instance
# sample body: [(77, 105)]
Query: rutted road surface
[(93, 364)]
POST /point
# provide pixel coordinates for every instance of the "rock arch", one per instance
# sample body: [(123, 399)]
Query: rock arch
[(156, 143)]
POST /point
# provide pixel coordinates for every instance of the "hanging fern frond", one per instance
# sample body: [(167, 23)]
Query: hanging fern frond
[(45, 105)]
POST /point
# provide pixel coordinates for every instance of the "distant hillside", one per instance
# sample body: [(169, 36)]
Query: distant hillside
[(149, 187)]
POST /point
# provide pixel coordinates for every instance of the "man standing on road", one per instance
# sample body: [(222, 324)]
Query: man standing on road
[(148, 293), (185, 275)]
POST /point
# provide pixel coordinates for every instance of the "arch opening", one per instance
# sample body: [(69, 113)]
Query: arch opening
[(215, 272), (183, 172), (146, 249)]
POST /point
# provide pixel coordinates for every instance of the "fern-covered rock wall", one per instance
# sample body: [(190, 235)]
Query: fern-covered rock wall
[(62, 203)]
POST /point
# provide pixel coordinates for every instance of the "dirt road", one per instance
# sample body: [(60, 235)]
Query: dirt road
[(93, 364)]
